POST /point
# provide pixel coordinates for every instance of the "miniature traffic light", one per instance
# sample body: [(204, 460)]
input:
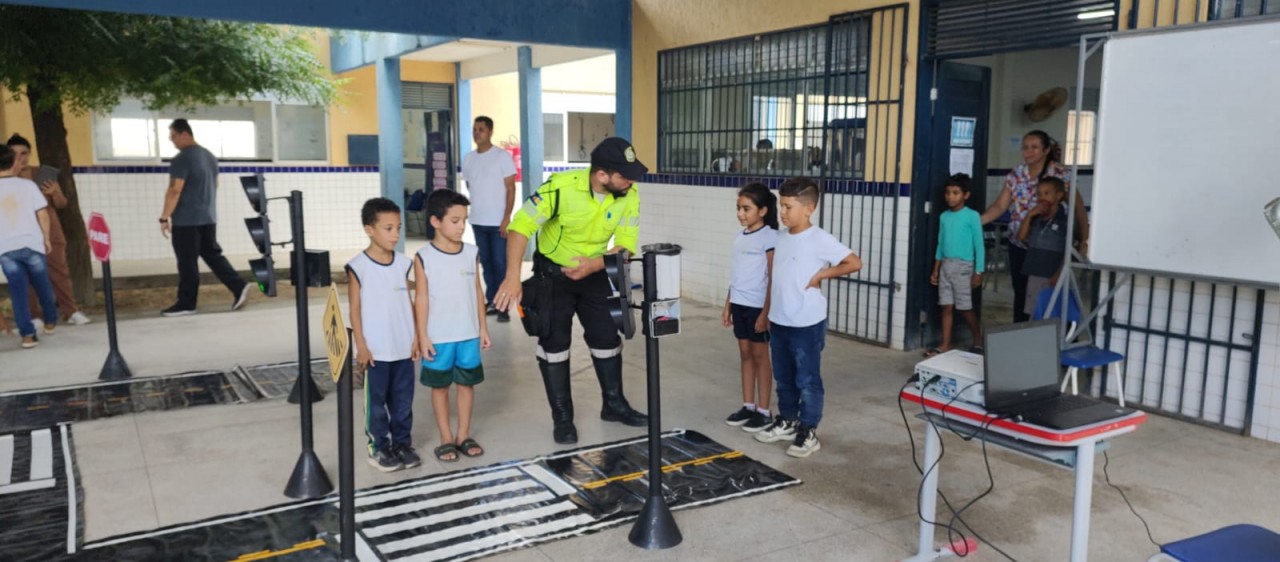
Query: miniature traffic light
[(260, 231)]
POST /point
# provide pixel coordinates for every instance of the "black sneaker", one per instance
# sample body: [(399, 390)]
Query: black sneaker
[(504, 316), (385, 461), (806, 442), (175, 311), (408, 457), (490, 310), (757, 422), (740, 417)]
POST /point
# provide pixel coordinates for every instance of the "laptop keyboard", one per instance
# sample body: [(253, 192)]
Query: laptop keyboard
[(1063, 403)]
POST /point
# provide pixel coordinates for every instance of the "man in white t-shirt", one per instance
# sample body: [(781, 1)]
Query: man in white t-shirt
[(490, 174), (24, 241)]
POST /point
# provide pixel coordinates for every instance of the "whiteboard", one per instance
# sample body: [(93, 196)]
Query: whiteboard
[(1189, 152)]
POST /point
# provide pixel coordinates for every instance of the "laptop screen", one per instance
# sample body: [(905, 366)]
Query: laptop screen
[(1021, 363)]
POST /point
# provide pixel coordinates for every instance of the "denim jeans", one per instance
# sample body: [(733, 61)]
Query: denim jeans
[(797, 370), (493, 258), (25, 268)]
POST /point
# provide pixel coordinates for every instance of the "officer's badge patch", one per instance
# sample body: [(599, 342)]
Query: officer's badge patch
[(536, 199), (630, 154)]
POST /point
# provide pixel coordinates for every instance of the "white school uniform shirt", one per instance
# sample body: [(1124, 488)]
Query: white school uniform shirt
[(453, 313), (796, 259), (20, 201), (486, 173), (749, 268), (386, 311)]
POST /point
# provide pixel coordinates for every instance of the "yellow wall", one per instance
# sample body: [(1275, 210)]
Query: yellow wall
[(589, 76), (1171, 13), (497, 97), (356, 112), (15, 117), (667, 24)]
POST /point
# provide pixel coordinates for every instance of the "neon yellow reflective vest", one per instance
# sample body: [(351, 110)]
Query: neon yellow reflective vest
[(581, 225)]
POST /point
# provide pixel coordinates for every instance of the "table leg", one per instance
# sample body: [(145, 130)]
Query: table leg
[(929, 498), (1083, 502)]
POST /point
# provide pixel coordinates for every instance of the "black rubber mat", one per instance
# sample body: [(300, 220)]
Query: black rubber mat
[(45, 407), (276, 380), (40, 497), (472, 513)]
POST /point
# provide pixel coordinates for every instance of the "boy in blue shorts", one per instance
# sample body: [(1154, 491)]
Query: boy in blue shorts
[(804, 256), (450, 326), (382, 322)]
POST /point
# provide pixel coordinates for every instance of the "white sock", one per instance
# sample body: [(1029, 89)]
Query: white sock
[(748, 405), (764, 411)]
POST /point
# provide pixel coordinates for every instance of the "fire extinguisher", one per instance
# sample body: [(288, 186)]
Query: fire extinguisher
[(512, 146)]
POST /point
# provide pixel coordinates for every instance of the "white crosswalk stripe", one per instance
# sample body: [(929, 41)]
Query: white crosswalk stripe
[(490, 510), (40, 474)]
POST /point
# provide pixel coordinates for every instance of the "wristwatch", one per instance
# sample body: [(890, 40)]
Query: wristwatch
[(163, 220)]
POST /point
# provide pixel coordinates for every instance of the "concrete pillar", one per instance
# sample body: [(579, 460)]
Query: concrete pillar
[(464, 115), (622, 95), (390, 133), (530, 120)]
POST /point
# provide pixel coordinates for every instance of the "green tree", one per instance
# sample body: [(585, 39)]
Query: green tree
[(88, 61)]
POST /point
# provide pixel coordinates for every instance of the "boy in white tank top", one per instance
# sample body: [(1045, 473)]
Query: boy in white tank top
[(382, 319), (450, 321)]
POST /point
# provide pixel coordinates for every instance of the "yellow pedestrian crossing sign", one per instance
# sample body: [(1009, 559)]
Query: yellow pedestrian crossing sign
[(335, 334)]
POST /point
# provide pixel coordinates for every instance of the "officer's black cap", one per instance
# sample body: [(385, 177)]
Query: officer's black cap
[(616, 153)]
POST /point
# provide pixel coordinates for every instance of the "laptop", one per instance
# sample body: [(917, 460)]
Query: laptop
[(1021, 372)]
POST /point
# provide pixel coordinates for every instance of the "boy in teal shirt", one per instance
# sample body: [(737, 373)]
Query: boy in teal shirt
[(959, 262)]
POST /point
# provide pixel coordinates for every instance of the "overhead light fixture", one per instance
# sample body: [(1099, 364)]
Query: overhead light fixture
[(1272, 212), (1095, 15)]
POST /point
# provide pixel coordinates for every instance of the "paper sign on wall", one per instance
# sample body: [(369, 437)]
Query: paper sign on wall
[(963, 130), (962, 161)]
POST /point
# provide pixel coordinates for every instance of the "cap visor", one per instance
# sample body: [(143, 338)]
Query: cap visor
[(634, 171)]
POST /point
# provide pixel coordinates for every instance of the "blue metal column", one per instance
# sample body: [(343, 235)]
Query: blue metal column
[(464, 113), (622, 94), (530, 120), (390, 134)]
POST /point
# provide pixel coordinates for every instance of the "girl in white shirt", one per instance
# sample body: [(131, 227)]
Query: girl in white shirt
[(746, 308)]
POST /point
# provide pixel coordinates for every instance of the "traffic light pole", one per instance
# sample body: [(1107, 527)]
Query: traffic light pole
[(309, 479)]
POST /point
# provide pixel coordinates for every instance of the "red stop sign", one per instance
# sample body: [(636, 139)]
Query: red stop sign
[(99, 237)]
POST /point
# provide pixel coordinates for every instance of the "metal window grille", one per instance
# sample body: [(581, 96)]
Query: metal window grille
[(1228, 9), (963, 28)]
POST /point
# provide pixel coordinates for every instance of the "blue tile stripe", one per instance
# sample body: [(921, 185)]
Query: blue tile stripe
[(228, 169)]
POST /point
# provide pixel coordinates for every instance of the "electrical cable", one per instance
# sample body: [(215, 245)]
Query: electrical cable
[(1106, 460), (952, 530)]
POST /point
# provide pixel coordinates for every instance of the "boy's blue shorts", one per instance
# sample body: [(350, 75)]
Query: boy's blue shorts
[(455, 362)]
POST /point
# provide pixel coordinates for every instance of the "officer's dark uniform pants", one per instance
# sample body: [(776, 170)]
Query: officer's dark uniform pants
[(588, 299)]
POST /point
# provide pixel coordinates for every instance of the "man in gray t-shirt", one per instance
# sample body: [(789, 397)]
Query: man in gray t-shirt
[(190, 213)]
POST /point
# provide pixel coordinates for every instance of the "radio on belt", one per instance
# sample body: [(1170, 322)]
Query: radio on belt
[(957, 372)]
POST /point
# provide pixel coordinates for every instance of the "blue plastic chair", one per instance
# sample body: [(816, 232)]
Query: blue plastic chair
[(416, 207), (1084, 357), (1238, 543)]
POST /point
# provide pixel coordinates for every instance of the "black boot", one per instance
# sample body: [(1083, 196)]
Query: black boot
[(555, 377), (615, 408)]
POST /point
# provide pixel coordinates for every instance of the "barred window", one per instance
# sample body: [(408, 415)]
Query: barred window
[(769, 105), (1228, 9)]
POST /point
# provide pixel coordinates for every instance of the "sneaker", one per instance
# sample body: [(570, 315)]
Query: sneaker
[(385, 461), (78, 319), (757, 422), (49, 329), (740, 417), (175, 311), (779, 430), (504, 316), (30, 342), (408, 457), (490, 310), (243, 298), (806, 442)]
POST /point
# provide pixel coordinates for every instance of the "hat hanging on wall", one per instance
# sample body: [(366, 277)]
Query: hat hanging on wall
[(1047, 103)]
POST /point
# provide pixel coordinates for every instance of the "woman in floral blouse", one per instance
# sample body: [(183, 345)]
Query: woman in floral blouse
[(1041, 158)]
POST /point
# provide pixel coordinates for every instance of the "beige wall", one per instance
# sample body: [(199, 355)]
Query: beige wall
[(356, 111), (497, 97), (666, 24)]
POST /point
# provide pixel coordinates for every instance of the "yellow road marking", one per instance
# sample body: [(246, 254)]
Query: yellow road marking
[(665, 469), (265, 554)]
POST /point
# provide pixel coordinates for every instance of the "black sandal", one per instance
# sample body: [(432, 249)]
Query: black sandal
[(467, 445), (445, 449)]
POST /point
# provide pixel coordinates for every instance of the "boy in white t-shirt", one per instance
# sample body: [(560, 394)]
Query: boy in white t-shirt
[(451, 326), (24, 241), (805, 255), (382, 319)]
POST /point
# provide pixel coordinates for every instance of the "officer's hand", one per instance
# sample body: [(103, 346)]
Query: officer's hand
[(508, 294), (586, 266)]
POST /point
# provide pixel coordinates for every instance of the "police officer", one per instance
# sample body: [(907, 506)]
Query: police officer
[(574, 215)]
